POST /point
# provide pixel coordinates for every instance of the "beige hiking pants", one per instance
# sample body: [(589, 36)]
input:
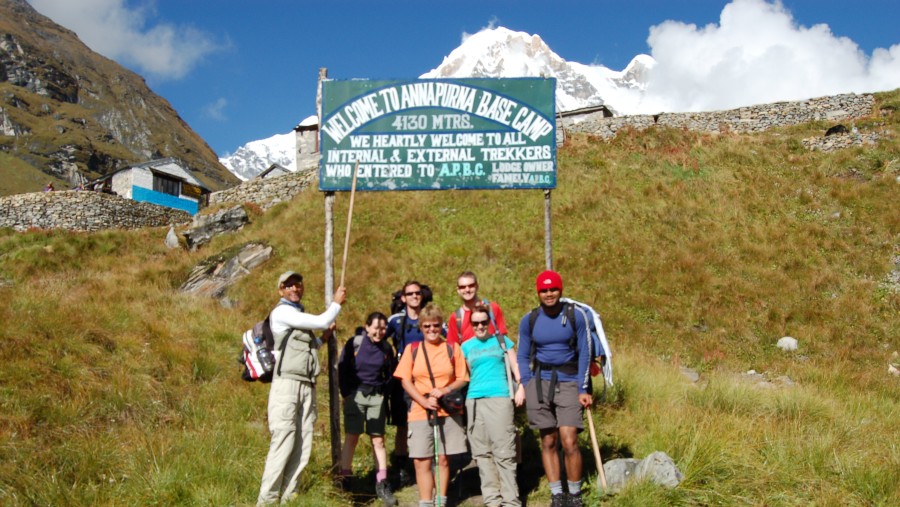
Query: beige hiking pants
[(292, 415)]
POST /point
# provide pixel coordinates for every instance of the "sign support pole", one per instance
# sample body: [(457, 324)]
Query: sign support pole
[(334, 397), (548, 238)]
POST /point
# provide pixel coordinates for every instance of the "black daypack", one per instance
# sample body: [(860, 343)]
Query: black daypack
[(598, 357), (595, 345)]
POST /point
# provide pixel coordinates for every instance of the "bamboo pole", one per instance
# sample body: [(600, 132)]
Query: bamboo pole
[(349, 223), (596, 448)]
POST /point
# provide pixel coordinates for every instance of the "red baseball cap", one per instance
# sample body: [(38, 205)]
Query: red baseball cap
[(548, 280)]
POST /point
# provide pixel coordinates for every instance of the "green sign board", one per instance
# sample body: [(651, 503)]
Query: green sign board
[(436, 134)]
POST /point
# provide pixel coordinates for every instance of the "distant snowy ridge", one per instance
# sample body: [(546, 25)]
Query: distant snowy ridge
[(256, 156), (497, 52)]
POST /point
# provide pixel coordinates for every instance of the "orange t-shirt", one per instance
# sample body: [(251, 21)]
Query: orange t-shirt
[(445, 372)]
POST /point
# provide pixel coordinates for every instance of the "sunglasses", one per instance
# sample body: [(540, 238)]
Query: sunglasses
[(470, 286), (431, 326), (298, 283), (413, 293), (480, 323), (553, 289)]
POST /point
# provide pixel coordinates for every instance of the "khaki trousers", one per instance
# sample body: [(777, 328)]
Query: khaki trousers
[(292, 415), (492, 438)]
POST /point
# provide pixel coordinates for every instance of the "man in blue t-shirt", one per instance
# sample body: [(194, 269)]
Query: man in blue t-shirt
[(557, 389), (403, 329)]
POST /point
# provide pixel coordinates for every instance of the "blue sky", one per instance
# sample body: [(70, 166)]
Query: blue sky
[(239, 70)]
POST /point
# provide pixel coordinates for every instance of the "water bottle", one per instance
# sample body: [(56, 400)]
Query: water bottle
[(265, 356)]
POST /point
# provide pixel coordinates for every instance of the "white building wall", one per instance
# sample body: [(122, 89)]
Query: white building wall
[(121, 183), (142, 178)]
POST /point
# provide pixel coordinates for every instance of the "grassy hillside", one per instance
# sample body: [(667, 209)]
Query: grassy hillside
[(699, 251)]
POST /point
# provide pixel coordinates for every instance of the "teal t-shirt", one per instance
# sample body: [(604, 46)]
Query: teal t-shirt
[(487, 368)]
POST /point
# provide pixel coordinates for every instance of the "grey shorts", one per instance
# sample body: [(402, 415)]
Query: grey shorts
[(564, 411), (364, 414), (451, 437)]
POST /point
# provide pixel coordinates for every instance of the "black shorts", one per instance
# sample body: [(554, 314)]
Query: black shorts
[(399, 405)]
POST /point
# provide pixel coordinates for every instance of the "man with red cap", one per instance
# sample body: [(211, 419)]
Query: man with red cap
[(554, 370)]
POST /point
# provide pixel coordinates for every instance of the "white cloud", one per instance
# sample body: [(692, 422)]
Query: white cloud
[(756, 54), (492, 23), (216, 110), (130, 35)]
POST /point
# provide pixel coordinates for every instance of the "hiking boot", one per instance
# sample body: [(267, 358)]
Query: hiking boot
[(383, 491), (403, 478), (558, 500), (576, 500)]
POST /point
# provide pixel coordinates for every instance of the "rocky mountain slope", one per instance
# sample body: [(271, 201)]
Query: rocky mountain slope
[(69, 113)]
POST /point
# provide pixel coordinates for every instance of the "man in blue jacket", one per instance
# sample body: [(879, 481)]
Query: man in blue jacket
[(554, 359)]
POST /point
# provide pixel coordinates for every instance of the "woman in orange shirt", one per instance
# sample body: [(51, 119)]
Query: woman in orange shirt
[(429, 371)]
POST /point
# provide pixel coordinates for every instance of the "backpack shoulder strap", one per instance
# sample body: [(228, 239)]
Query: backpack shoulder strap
[(450, 354), (357, 343), (532, 318), (570, 317), (459, 318)]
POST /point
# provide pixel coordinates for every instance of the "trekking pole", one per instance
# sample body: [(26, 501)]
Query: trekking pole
[(596, 448), (436, 468), (349, 221)]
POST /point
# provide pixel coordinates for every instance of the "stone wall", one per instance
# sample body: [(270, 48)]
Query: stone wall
[(742, 120), (841, 141), (267, 192), (83, 211)]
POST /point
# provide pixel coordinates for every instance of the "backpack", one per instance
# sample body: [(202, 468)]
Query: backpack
[(459, 318), (397, 305), (258, 353), (601, 354)]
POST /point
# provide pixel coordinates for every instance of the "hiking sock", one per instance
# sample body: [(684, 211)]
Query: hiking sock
[(574, 487), (346, 472), (381, 475), (443, 501), (556, 488), (426, 503)]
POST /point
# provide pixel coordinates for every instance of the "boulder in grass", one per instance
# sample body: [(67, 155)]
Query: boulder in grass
[(619, 472), (787, 344), (172, 238), (206, 227), (659, 468)]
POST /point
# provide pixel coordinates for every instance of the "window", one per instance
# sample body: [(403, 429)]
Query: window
[(166, 184)]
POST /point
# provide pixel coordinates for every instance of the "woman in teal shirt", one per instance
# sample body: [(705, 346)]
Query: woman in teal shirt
[(489, 404)]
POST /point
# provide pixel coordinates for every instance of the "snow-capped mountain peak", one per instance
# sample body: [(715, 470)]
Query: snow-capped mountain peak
[(500, 52), (256, 156), (493, 52)]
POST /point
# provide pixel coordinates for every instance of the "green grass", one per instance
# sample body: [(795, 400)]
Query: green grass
[(699, 250)]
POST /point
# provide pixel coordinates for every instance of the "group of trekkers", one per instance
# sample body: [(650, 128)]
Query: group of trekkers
[(418, 384)]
